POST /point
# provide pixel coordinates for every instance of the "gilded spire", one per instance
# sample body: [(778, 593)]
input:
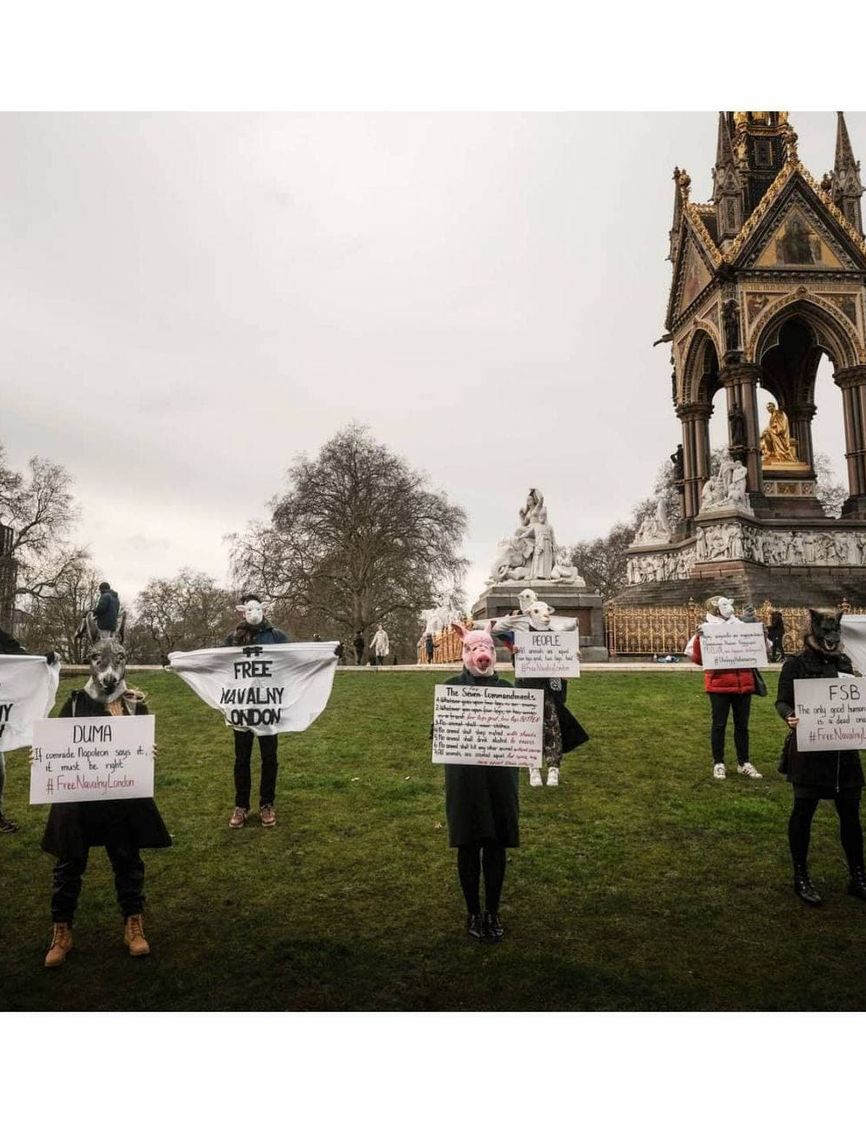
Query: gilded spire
[(844, 154)]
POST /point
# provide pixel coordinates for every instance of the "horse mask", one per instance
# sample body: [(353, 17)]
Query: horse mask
[(479, 651)]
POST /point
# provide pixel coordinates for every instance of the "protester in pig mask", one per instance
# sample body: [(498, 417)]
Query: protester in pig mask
[(562, 731), (481, 804), (254, 629)]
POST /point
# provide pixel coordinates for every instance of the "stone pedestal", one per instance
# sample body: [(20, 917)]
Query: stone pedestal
[(568, 600)]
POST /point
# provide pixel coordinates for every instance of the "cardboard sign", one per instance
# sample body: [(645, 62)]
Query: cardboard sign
[(740, 645), (81, 759), (547, 654), (487, 726), (832, 714)]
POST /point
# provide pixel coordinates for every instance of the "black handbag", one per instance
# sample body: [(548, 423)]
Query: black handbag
[(760, 685)]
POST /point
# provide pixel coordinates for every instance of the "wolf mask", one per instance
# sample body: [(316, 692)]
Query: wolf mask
[(825, 631)]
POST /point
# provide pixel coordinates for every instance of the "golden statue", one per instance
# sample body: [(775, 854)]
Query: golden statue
[(776, 444)]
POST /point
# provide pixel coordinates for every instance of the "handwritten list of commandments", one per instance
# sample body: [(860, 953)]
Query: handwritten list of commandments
[(832, 713), (487, 726), (77, 759)]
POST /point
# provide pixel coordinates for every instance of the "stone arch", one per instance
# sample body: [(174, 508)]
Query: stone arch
[(701, 367), (831, 330)]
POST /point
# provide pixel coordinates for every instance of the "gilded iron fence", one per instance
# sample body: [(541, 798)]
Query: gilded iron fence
[(663, 630), (447, 646)]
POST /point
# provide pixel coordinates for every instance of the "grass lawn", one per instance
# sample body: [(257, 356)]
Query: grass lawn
[(641, 883)]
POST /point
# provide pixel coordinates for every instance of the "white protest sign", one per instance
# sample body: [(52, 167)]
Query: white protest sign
[(832, 714), (547, 654), (28, 687), (738, 645), (487, 726), (81, 759), (854, 639), (266, 688)]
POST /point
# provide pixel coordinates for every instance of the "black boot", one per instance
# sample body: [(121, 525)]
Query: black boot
[(857, 883), (475, 926), (494, 926), (803, 887)]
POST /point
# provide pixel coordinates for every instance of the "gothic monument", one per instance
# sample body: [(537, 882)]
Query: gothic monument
[(767, 277)]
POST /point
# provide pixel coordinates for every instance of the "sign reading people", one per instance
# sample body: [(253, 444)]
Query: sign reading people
[(82, 759), (736, 645), (547, 654), (476, 725), (832, 713), (269, 689), (28, 687)]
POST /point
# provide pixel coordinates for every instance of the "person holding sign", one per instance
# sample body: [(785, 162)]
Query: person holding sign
[(254, 631), (481, 804), (730, 689), (122, 827), (562, 731), (817, 775), (30, 694)]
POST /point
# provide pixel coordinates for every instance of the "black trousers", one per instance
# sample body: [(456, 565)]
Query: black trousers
[(243, 780), (850, 831), (469, 867), (128, 882), (740, 706)]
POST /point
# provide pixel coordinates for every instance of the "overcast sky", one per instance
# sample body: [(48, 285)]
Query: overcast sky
[(189, 301)]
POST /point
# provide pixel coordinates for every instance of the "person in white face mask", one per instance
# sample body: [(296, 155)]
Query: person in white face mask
[(729, 689), (254, 629)]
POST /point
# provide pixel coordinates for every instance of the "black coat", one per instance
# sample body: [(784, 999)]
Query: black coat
[(266, 634), (107, 611), (822, 773), (481, 801), (72, 828), (573, 734)]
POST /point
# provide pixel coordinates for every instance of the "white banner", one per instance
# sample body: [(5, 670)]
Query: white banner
[(547, 655), (854, 639), (487, 725), (269, 688), (28, 688), (832, 714), (740, 645), (81, 759)]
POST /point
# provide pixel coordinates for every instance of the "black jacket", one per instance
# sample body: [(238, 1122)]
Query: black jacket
[(822, 773), (573, 734), (266, 634), (107, 611), (72, 828)]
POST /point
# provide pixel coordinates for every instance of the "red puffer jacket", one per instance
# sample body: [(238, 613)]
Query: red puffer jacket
[(729, 681)]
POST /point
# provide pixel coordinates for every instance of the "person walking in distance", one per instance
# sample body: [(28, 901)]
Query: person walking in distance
[(358, 645), (379, 645)]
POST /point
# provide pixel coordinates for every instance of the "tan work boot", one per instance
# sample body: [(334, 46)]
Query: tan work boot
[(133, 936), (61, 943)]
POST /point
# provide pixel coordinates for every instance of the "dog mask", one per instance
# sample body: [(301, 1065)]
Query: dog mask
[(479, 651), (825, 631)]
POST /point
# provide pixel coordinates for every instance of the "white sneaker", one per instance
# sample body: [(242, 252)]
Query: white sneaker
[(719, 773), (553, 776), (749, 770), (535, 780)]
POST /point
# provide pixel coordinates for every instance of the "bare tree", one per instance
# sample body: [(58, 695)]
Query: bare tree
[(830, 493), (52, 620), (39, 509), (357, 538), (182, 613)]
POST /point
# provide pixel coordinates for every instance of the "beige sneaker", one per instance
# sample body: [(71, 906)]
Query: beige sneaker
[(239, 817), (61, 943), (553, 776), (268, 815), (133, 936)]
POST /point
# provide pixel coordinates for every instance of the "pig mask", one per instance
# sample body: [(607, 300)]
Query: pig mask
[(479, 651)]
